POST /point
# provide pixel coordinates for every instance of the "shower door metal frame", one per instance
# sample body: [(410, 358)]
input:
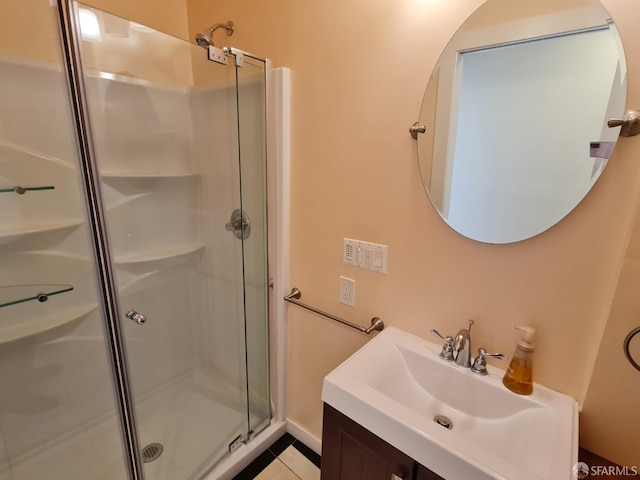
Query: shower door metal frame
[(108, 292)]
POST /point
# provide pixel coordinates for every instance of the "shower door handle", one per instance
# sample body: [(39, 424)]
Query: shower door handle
[(139, 318)]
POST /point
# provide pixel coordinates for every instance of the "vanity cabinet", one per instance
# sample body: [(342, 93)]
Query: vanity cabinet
[(351, 452)]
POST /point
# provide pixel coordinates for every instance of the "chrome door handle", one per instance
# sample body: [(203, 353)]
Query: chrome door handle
[(139, 318)]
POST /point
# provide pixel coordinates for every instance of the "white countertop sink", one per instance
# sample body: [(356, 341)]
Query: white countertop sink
[(396, 384)]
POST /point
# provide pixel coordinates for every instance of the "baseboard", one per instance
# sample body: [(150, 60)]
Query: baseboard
[(311, 441)]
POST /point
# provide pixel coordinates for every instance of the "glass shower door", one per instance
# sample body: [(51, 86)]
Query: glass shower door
[(56, 394), (165, 128), (251, 88)]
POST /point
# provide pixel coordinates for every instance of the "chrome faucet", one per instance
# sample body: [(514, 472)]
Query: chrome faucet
[(462, 347), (457, 349)]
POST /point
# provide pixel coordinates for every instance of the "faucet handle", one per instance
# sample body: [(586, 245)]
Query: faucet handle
[(480, 364), (446, 353)]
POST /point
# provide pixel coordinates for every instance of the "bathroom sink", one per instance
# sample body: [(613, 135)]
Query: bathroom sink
[(396, 386)]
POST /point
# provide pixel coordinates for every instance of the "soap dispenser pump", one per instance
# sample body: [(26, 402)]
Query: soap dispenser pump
[(519, 375)]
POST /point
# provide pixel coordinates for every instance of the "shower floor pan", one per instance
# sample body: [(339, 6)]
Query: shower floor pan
[(190, 418)]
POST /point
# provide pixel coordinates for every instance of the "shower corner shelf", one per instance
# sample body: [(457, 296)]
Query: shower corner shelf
[(44, 325), (14, 294), (146, 176), (17, 233), (159, 259)]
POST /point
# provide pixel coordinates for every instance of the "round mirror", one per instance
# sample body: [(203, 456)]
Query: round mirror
[(516, 114)]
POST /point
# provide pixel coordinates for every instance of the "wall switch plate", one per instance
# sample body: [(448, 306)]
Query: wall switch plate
[(347, 291), (367, 255)]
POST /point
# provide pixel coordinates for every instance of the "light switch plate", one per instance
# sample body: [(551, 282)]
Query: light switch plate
[(366, 255)]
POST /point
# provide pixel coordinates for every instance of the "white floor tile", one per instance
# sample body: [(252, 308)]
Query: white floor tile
[(277, 471), (300, 464)]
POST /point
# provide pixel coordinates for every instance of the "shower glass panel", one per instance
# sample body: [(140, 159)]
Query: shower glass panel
[(167, 128), (253, 173), (55, 380)]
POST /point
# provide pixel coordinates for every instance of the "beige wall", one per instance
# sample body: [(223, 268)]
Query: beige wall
[(27, 27), (510, 11), (169, 16), (148, 50), (358, 78), (614, 389), (150, 55)]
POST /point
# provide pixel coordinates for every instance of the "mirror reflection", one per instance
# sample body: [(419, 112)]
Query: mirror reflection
[(516, 112)]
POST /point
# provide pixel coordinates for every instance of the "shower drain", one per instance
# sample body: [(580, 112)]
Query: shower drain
[(151, 452)]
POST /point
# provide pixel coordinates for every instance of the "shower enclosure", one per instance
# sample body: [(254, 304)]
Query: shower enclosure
[(133, 245)]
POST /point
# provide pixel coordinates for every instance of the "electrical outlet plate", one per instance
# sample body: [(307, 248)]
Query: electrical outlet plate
[(366, 255), (347, 291)]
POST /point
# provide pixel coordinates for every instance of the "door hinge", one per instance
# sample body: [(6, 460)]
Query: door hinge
[(239, 441), (218, 55), (239, 56)]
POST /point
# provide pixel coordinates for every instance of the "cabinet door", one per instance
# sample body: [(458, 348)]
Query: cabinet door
[(423, 473), (350, 452)]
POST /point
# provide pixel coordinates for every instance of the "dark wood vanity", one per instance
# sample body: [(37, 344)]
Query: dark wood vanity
[(351, 452)]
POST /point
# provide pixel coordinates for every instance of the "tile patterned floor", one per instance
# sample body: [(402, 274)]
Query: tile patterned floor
[(290, 459), (286, 459)]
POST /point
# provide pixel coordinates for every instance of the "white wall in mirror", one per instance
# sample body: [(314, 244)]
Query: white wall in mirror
[(507, 154)]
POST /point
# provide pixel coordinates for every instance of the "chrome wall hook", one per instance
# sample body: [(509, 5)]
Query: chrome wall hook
[(630, 123), (415, 129)]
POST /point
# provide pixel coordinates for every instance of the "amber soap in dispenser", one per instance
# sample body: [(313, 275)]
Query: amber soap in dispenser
[(519, 376)]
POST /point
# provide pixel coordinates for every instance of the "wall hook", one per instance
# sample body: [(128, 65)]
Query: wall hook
[(630, 123), (415, 129)]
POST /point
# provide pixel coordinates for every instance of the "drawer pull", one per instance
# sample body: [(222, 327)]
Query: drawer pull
[(395, 476)]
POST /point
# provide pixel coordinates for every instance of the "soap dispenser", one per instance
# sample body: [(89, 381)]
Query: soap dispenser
[(519, 375)]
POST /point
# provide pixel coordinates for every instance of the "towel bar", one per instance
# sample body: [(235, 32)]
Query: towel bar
[(376, 323)]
